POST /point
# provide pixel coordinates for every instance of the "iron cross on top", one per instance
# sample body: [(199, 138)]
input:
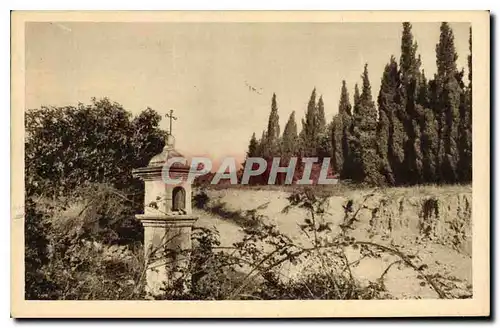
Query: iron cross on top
[(171, 117)]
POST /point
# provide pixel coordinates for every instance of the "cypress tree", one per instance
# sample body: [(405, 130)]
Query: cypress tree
[(422, 133), (290, 137), (262, 145), (466, 123), (365, 132), (409, 63), (446, 56), (356, 100), (448, 107), (423, 91), (451, 102), (410, 75), (253, 151), (469, 58), (302, 138), (321, 120), (337, 130), (468, 118), (273, 131), (323, 139), (429, 132), (430, 146), (345, 111), (355, 169), (309, 127), (253, 147), (341, 131), (383, 134), (388, 107), (324, 143)]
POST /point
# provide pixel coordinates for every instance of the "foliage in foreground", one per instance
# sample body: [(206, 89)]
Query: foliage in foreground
[(82, 240), (82, 250), (256, 266), (65, 261)]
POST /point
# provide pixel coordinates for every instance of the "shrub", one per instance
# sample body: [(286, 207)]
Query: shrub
[(85, 246)]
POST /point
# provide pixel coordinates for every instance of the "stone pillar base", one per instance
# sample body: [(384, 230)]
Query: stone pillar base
[(167, 248)]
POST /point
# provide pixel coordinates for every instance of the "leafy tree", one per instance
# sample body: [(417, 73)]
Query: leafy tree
[(37, 284), (71, 153), (70, 146)]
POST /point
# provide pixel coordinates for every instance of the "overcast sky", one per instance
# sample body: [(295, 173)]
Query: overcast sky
[(201, 70)]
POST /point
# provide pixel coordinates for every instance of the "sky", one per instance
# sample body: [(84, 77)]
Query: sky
[(202, 70)]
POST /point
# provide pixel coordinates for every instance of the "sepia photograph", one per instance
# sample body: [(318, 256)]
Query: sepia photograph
[(185, 161)]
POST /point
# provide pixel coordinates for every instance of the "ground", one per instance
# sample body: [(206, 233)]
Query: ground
[(433, 222)]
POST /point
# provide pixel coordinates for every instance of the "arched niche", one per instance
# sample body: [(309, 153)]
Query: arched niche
[(178, 199)]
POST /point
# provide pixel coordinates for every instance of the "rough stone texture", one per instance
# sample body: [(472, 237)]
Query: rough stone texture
[(442, 219), (435, 222), (167, 233), (167, 245)]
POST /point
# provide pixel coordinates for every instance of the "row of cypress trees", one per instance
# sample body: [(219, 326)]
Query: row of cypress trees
[(417, 131)]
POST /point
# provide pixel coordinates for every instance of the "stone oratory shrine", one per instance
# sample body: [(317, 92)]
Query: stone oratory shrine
[(167, 219)]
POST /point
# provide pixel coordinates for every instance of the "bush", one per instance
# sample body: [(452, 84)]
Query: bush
[(97, 143), (85, 246), (81, 199)]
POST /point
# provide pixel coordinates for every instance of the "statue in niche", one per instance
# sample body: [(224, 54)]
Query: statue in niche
[(179, 200)]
